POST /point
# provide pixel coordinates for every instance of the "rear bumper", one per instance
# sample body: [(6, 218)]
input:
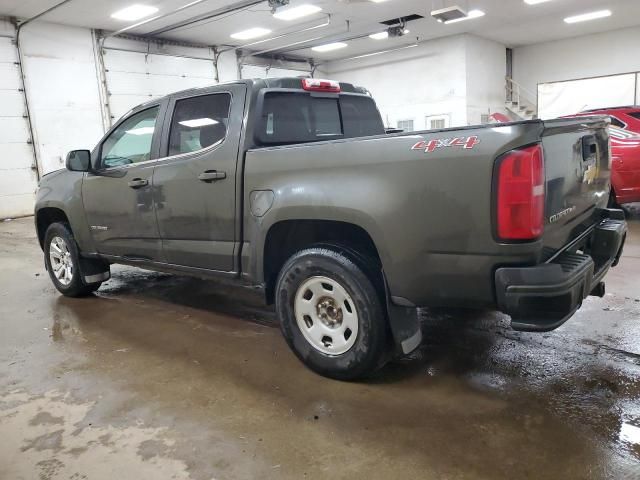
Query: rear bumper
[(543, 297)]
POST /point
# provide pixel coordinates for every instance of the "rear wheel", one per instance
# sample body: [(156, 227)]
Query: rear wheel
[(331, 314), (63, 262)]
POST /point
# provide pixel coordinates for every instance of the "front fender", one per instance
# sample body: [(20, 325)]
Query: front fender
[(62, 190)]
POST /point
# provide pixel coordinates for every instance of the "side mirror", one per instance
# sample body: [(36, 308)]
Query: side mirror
[(79, 160)]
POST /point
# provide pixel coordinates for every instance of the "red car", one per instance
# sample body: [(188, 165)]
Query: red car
[(627, 118), (625, 152)]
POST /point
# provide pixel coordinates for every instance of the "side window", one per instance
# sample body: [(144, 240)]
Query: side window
[(131, 141), (199, 122)]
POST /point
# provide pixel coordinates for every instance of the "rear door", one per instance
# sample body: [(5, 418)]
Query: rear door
[(195, 181), (118, 196), (577, 167)]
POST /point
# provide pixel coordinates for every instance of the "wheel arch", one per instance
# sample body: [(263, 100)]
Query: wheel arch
[(44, 217), (286, 237)]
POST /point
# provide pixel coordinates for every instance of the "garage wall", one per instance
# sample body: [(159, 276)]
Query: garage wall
[(587, 56), (18, 179), (446, 82), (433, 81), (261, 71), (486, 66), (62, 84)]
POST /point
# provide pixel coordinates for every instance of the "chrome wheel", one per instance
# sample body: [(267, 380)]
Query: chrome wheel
[(61, 260), (326, 315)]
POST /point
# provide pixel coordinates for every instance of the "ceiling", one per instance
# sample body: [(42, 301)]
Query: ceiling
[(511, 22)]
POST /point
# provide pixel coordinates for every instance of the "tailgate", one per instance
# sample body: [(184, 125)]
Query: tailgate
[(577, 169)]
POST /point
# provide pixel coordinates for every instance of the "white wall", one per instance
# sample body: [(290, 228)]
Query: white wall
[(587, 56), (486, 65), (409, 84), (460, 77)]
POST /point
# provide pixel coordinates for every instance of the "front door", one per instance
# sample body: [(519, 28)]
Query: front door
[(195, 183), (118, 196)]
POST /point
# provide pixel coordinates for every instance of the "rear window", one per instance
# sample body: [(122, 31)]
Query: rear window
[(634, 114), (289, 117)]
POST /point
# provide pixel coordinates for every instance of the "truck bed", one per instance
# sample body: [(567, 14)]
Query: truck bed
[(427, 200)]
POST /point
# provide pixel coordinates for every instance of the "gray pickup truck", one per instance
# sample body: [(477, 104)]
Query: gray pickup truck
[(291, 186)]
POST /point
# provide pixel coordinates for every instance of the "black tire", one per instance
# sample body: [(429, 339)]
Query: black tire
[(76, 287), (370, 350)]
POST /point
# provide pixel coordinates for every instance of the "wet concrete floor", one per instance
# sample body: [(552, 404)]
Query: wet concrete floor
[(160, 377)]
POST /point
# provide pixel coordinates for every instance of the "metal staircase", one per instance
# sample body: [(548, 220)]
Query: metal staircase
[(519, 101)]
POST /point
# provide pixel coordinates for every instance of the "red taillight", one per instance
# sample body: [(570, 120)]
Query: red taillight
[(520, 196), (318, 85)]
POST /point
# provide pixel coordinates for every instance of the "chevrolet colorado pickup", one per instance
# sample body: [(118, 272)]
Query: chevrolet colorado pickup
[(291, 186)]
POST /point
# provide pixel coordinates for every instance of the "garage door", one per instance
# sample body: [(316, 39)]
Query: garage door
[(257, 71), (134, 78), (18, 180), (566, 98)]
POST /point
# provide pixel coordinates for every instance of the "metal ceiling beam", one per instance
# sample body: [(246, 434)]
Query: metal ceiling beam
[(206, 16)]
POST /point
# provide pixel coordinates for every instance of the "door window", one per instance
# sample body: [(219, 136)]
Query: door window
[(199, 122), (131, 141)]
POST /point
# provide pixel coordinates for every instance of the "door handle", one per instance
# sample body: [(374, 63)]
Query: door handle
[(211, 175), (138, 182)]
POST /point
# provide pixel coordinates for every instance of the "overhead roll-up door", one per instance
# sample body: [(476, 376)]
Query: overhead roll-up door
[(257, 71), (557, 99), (18, 179), (133, 78)]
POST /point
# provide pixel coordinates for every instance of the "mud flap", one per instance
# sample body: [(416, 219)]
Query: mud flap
[(404, 323), (94, 271), (405, 327)]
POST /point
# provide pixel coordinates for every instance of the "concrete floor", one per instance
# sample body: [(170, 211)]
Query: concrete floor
[(167, 377)]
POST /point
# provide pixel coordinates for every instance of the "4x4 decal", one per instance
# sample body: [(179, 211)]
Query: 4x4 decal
[(465, 142)]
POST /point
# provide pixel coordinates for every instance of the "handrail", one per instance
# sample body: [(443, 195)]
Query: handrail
[(514, 94)]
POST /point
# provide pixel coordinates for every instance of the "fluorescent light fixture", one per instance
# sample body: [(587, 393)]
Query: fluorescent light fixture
[(470, 15), (535, 2), (142, 131), (251, 33), (134, 12), (379, 35), (296, 12), (378, 1), (327, 47), (588, 16), (199, 122)]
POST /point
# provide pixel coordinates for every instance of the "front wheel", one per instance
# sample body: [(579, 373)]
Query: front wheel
[(331, 314), (63, 262)]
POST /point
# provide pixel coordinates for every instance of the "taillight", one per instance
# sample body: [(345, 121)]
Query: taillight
[(318, 85), (520, 194)]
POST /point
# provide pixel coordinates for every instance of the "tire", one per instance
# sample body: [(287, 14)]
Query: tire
[(351, 340), (59, 238)]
